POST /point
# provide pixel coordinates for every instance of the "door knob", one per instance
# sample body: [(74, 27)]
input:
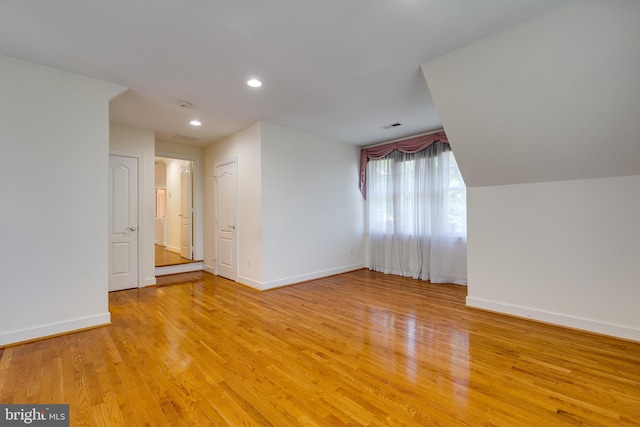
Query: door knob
[(132, 228), (233, 227)]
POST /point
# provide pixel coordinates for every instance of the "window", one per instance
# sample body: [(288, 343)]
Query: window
[(416, 207)]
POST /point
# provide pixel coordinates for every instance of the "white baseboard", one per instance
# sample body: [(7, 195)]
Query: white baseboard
[(566, 320), (250, 282), (286, 281), (172, 249), (149, 281), (180, 268), (56, 328), (273, 284), (241, 279)]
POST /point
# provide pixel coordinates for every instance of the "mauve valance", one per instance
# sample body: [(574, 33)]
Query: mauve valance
[(410, 145)]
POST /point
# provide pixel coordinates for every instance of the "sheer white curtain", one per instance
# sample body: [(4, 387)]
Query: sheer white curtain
[(416, 207)]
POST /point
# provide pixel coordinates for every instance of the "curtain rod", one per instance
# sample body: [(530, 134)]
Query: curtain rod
[(402, 139)]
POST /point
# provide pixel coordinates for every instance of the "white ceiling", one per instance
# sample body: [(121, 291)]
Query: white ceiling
[(341, 69)]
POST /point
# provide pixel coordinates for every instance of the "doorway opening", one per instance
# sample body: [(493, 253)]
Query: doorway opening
[(174, 212)]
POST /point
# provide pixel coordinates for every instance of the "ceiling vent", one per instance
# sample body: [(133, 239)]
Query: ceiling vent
[(185, 138), (393, 125)]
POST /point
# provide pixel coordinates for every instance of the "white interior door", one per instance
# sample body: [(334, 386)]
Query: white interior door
[(226, 186), (186, 213), (123, 223)]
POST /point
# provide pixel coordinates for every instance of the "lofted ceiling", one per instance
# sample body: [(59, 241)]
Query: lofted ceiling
[(342, 69), (527, 112)]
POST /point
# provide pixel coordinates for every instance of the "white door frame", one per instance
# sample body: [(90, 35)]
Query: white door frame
[(198, 229), (215, 198)]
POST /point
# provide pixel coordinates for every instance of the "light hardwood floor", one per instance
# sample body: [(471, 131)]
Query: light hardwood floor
[(356, 349)]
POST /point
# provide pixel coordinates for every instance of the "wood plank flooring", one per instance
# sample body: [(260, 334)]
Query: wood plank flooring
[(356, 349)]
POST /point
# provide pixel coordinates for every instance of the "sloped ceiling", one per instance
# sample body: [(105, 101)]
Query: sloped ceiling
[(341, 69), (554, 98)]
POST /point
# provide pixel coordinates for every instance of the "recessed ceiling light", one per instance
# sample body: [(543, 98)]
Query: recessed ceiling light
[(195, 123), (254, 83)]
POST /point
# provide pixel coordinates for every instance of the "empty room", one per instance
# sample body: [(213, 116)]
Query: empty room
[(320, 213)]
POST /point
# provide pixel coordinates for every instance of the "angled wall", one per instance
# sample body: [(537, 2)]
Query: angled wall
[(543, 120), (555, 98), (54, 191)]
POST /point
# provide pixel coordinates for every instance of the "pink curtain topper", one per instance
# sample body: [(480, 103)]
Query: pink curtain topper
[(410, 145)]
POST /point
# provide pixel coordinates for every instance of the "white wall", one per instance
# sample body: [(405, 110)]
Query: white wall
[(312, 210), (245, 147), (53, 187), (300, 213), (134, 142), (561, 252), (543, 118)]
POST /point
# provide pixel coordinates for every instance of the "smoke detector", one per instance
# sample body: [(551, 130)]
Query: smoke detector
[(185, 104)]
